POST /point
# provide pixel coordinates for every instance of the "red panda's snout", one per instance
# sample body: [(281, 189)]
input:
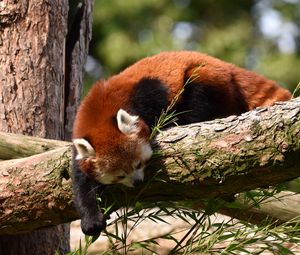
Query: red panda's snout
[(123, 163)]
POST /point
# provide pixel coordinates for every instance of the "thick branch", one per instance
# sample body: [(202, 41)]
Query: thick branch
[(227, 156), (17, 146), (203, 160), (36, 191)]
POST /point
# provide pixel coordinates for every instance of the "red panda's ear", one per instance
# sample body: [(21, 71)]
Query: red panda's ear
[(84, 148), (127, 123)]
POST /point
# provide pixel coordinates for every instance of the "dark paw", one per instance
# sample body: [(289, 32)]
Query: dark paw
[(93, 225)]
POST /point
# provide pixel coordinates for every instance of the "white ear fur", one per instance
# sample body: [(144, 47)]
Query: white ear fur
[(126, 122), (84, 148)]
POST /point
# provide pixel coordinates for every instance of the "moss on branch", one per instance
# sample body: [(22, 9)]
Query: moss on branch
[(203, 160)]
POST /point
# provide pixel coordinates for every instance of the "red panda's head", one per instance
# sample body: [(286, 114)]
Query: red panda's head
[(112, 146), (119, 157)]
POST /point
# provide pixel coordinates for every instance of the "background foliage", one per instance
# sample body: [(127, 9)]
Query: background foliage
[(261, 35)]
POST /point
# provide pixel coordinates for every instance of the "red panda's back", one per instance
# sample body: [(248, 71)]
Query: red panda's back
[(241, 89), (174, 68)]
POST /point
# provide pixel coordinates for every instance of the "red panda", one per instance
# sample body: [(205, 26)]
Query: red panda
[(113, 124)]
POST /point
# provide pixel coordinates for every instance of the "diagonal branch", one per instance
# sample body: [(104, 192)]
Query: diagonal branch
[(203, 160)]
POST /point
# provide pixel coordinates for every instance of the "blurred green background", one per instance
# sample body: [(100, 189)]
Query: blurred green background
[(261, 35)]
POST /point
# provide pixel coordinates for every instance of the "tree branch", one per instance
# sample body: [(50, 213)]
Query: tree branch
[(36, 191), (203, 160), (19, 146)]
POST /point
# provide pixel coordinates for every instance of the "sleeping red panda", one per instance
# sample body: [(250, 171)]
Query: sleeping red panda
[(113, 124)]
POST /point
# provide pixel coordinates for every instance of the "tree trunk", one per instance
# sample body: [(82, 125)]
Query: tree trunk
[(214, 159), (35, 91)]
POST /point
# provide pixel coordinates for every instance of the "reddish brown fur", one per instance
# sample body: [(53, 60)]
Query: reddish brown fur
[(107, 97), (113, 148), (94, 122)]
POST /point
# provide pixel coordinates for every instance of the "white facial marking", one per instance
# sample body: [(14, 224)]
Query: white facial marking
[(126, 122), (146, 151), (84, 148)]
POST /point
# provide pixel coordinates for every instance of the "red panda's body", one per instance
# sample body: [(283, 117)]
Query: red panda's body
[(113, 124)]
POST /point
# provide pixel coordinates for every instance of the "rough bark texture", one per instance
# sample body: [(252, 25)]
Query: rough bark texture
[(77, 44), (204, 160), (251, 150), (16, 146), (36, 191), (34, 89), (33, 42)]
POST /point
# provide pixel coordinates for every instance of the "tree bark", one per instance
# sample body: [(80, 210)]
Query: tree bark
[(35, 92), (77, 45), (15, 146), (36, 191), (236, 153), (214, 159), (33, 36)]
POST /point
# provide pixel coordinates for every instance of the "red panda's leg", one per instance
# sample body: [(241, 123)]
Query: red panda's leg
[(85, 191)]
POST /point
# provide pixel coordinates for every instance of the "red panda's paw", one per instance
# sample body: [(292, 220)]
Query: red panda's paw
[(93, 225)]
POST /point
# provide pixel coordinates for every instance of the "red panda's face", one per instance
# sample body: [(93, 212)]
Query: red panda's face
[(117, 159)]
